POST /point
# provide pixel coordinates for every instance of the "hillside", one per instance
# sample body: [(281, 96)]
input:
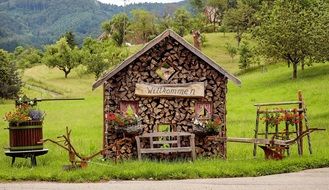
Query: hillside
[(85, 120), (39, 22)]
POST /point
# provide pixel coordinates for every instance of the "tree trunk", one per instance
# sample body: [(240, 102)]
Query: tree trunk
[(67, 72), (295, 66), (239, 40), (288, 61)]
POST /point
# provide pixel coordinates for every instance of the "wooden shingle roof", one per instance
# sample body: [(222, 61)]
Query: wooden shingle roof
[(155, 41)]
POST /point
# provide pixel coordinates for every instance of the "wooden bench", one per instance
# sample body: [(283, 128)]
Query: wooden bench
[(163, 138)]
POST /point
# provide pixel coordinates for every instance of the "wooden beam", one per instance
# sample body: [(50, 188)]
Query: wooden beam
[(277, 103), (280, 111)]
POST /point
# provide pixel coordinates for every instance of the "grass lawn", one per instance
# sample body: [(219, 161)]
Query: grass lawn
[(85, 120)]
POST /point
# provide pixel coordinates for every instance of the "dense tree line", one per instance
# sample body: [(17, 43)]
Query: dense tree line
[(39, 22)]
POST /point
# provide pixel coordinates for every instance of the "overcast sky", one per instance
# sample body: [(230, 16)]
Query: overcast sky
[(120, 2)]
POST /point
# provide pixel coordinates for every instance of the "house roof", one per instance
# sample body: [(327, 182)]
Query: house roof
[(155, 41)]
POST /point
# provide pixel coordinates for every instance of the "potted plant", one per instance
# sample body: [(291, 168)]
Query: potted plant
[(125, 123), (25, 127), (207, 127)]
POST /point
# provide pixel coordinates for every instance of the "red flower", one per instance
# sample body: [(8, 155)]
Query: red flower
[(111, 116), (218, 121)]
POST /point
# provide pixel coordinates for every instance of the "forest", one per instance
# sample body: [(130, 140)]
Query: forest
[(39, 22)]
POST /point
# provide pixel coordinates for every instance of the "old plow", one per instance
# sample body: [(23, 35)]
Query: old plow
[(273, 148), (75, 158)]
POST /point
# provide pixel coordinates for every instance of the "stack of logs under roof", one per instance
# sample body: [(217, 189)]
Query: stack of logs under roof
[(176, 111)]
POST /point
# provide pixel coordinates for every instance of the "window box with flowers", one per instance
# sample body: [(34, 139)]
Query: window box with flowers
[(207, 127), (124, 123), (25, 128)]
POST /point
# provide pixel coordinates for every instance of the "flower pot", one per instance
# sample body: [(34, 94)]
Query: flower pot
[(129, 129), (202, 131), (25, 135), (199, 130)]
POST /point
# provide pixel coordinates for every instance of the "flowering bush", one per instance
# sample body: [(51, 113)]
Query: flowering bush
[(272, 119), (211, 125), (122, 120), (291, 118), (23, 113)]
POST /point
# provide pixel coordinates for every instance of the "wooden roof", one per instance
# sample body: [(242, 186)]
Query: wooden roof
[(155, 41)]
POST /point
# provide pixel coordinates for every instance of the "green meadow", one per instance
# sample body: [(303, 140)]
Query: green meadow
[(266, 84)]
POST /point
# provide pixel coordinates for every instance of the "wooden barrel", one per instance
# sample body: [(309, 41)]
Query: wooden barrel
[(25, 135)]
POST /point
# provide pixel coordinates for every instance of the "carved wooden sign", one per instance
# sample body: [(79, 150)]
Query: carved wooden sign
[(186, 90)]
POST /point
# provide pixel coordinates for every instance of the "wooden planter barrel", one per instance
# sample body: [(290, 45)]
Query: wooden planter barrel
[(25, 135)]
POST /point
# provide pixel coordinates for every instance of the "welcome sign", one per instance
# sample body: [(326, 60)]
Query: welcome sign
[(186, 90)]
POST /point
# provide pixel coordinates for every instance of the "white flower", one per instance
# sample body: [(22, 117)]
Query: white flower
[(198, 122)]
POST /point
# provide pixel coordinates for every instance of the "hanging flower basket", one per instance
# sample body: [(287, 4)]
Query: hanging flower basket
[(129, 129), (199, 130), (129, 125), (208, 127)]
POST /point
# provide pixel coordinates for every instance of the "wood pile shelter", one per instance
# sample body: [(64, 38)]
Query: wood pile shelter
[(167, 83)]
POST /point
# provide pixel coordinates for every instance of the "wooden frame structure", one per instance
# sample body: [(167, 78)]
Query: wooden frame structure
[(300, 109), (175, 141)]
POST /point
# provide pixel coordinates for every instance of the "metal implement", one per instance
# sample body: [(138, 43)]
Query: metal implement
[(33, 101), (26, 154)]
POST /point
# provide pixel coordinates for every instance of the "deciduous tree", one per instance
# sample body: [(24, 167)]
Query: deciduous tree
[(70, 38), (294, 30), (182, 21), (142, 24), (117, 27), (218, 8), (27, 57), (10, 81), (98, 56), (198, 6), (61, 56), (240, 19)]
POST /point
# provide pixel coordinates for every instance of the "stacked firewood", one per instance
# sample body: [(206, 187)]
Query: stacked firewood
[(178, 112)]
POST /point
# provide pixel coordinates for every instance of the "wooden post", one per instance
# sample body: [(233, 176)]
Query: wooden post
[(196, 39), (302, 106), (105, 135), (138, 143), (298, 141), (256, 131), (300, 124), (266, 130), (178, 141), (192, 143), (287, 138), (151, 143)]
